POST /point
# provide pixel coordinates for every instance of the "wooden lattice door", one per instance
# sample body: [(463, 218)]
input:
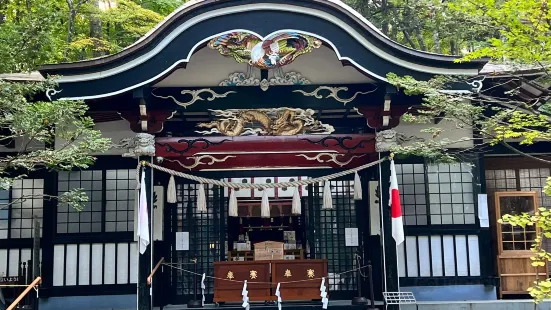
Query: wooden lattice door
[(514, 264)]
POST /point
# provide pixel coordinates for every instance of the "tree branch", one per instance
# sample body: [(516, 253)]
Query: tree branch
[(507, 145)]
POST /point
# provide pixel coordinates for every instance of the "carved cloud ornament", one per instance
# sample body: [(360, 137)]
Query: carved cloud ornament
[(265, 122), (332, 157), (197, 160), (333, 93), (195, 96)]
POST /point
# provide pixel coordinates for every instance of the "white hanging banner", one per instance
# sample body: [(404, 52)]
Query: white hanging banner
[(278, 294), (323, 294), (483, 210), (158, 212), (203, 289), (245, 296)]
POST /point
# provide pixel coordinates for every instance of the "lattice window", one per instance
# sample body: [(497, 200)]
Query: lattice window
[(451, 194), (4, 213), (501, 180), (436, 194), (120, 187), (535, 180), (89, 219), (111, 201), (204, 236), (411, 183), (329, 233), (27, 202)]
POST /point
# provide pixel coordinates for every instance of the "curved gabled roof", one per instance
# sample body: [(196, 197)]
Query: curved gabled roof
[(173, 41)]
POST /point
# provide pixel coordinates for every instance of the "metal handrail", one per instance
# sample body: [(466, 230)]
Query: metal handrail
[(36, 282), (154, 270)]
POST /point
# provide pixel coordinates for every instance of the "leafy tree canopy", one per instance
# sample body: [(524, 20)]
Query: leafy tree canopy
[(59, 135)]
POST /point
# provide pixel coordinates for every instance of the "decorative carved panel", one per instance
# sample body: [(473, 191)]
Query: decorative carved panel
[(273, 52), (265, 122)]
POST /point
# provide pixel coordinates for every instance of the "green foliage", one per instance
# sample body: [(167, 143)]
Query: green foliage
[(37, 32), (520, 35), (429, 25), (36, 124), (523, 27), (48, 31)]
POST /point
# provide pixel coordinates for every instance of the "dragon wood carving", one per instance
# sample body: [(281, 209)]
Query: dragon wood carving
[(265, 122)]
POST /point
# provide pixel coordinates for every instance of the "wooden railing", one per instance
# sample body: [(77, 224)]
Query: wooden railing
[(24, 293), (155, 270)]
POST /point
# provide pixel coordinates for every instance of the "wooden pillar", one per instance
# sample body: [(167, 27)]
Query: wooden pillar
[(144, 260), (389, 249), (372, 241), (385, 140), (48, 234), (142, 147)]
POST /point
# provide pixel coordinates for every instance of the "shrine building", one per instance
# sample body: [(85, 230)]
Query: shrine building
[(261, 92)]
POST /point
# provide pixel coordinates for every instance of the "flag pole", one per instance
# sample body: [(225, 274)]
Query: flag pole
[(137, 211), (397, 220), (398, 271), (152, 232), (381, 210)]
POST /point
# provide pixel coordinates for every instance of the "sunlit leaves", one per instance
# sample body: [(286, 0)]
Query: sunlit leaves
[(39, 125)]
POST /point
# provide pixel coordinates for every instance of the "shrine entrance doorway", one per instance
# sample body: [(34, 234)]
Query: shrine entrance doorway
[(214, 236)]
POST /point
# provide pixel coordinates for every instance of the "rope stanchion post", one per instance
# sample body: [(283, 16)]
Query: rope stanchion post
[(371, 293), (359, 300), (195, 303)]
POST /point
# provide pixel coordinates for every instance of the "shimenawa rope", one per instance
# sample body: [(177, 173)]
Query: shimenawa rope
[(253, 185)]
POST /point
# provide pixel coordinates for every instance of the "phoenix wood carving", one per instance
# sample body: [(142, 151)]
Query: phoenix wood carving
[(273, 52), (266, 122)]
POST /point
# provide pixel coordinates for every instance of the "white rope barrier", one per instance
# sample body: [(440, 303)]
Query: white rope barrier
[(257, 186)]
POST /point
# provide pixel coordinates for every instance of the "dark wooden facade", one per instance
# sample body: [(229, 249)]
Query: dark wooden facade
[(123, 87)]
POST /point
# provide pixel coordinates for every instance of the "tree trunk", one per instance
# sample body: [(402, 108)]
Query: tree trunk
[(3, 4), (407, 36), (436, 39), (70, 30), (385, 16), (394, 32), (420, 40), (453, 48), (71, 25), (96, 32)]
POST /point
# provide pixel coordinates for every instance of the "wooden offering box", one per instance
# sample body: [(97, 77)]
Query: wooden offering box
[(229, 291), (297, 270), (268, 250)]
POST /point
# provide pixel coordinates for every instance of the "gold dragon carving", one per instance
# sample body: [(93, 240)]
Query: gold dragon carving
[(265, 122)]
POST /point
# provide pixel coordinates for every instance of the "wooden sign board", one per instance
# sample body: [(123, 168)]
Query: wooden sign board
[(268, 250)]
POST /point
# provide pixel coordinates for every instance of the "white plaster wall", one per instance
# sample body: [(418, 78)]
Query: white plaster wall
[(205, 68), (322, 66), (116, 131), (449, 131), (208, 68)]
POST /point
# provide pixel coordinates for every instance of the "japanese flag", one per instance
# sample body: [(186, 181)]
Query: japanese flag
[(396, 207)]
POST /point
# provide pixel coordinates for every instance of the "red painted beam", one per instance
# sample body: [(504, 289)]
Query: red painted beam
[(190, 146), (267, 161)]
